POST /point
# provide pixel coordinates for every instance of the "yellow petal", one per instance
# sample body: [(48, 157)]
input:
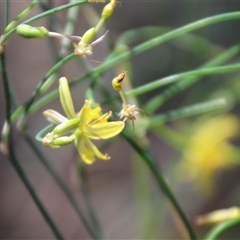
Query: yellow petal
[(84, 114), (88, 151), (66, 98), (97, 153), (86, 154), (104, 130), (218, 128)]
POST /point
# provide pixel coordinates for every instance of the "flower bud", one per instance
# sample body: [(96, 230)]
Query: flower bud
[(66, 127), (28, 31), (107, 11), (116, 82), (114, 3), (62, 141), (88, 36)]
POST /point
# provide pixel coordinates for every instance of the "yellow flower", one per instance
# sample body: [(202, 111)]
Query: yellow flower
[(88, 124), (209, 150), (218, 216)]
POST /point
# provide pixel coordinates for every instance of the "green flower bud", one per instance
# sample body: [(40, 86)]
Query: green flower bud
[(107, 11), (88, 36), (66, 127), (62, 141), (28, 31)]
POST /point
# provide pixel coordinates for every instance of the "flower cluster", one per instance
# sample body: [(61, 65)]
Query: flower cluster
[(80, 127), (84, 44)]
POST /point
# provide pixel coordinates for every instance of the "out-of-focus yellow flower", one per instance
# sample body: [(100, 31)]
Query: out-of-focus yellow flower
[(88, 124), (209, 150), (219, 216)]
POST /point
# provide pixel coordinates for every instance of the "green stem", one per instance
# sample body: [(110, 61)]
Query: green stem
[(188, 111), (140, 90), (14, 160), (142, 48), (159, 100), (162, 184), (61, 184), (23, 14), (54, 69), (88, 200), (217, 230), (72, 16), (176, 77), (6, 13)]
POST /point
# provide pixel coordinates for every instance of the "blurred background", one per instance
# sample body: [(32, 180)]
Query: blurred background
[(128, 202)]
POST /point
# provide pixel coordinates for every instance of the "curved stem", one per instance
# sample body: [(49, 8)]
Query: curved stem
[(11, 154), (176, 77), (188, 111), (139, 90), (88, 200), (6, 13), (23, 14), (162, 184), (142, 48), (217, 230), (62, 185), (35, 94), (176, 88)]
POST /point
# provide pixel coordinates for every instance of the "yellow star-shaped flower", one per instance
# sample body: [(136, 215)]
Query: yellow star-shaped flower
[(88, 124), (209, 150)]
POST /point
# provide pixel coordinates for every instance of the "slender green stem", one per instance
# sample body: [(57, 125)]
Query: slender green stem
[(140, 90), (188, 111), (162, 184), (14, 160), (23, 14), (176, 77), (88, 200), (6, 13), (72, 17), (61, 184), (220, 228), (176, 88), (32, 191), (142, 48), (40, 84)]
